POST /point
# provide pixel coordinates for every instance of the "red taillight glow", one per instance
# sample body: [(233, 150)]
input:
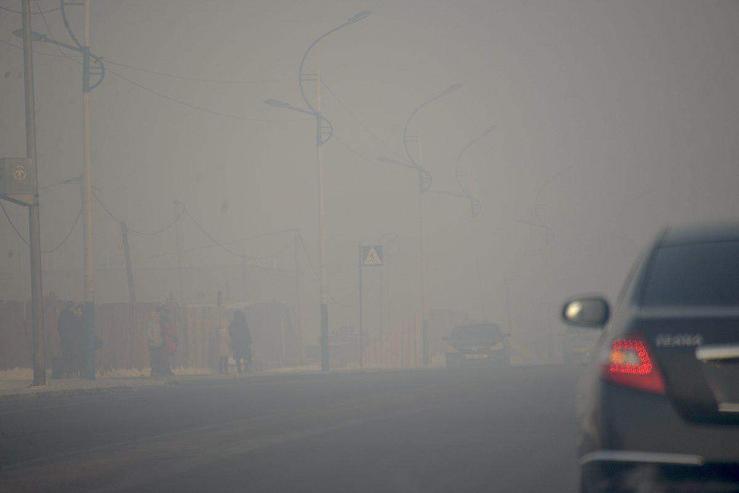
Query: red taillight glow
[(630, 364)]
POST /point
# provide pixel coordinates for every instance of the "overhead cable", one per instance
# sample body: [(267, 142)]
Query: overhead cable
[(354, 115), (135, 231), (24, 240), (188, 78), (203, 109), (39, 11), (202, 229), (12, 224), (181, 102), (67, 236)]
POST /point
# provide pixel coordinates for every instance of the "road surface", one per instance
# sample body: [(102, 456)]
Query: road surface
[(406, 431)]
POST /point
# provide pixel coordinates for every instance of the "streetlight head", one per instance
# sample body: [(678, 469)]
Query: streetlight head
[(277, 104), (359, 16), (34, 35)]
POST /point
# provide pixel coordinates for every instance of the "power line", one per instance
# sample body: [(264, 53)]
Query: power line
[(42, 53), (359, 120), (250, 238), (185, 212), (203, 109), (24, 240), (40, 11), (67, 236), (181, 102), (357, 153), (12, 224), (188, 78), (211, 237), (225, 247), (311, 267), (48, 30), (139, 232), (458, 167)]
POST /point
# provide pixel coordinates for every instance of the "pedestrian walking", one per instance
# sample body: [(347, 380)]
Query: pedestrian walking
[(240, 341)]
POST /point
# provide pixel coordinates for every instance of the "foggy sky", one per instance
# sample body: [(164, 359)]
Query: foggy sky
[(612, 120)]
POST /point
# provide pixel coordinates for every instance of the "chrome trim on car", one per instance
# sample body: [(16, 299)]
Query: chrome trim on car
[(728, 407), (641, 457), (712, 352)]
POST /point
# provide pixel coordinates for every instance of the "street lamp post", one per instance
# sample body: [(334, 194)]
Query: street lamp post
[(475, 209), (424, 185), (324, 131)]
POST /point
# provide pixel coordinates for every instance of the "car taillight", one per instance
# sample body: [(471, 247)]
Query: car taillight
[(629, 364)]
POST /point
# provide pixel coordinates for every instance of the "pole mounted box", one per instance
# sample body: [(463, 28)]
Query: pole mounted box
[(17, 179)]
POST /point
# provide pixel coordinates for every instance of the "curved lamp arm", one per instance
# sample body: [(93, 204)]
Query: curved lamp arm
[(443, 93), (351, 20)]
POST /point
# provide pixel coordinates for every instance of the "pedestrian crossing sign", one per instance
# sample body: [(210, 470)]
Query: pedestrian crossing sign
[(371, 256)]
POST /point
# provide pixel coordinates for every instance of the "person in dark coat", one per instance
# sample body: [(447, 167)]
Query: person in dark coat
[(240, 341), (72, 340), (69, 328)]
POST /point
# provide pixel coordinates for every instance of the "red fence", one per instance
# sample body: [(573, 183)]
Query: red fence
[(124, 340)]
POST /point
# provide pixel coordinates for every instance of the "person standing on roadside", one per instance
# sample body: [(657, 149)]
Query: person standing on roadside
[(240, 341), (69, 328), (156, 343)]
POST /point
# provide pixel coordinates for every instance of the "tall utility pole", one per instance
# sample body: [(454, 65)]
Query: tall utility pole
[(424, 184), (129, 266), (132, 325), (298, 295), (426, 358), (361, 306), (34, 222), (88, 59), (179, 245), (324, 131), (87, 226), (244, 279), (325, 359), (475, 209), (89, 270)]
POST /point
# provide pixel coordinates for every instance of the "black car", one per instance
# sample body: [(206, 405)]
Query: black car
[(661, 406), (477, 345)]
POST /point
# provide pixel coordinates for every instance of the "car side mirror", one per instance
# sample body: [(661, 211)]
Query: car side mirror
[(591, 312)]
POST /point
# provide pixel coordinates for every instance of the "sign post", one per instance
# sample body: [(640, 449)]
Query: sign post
[(369, 256)]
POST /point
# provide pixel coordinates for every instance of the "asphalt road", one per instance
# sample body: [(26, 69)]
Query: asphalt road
[(406, 431)]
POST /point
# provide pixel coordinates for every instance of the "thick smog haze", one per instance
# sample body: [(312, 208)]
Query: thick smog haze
[(612, 120), (579, 128)]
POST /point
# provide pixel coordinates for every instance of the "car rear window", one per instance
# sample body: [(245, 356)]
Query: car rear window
[(694, 274)]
